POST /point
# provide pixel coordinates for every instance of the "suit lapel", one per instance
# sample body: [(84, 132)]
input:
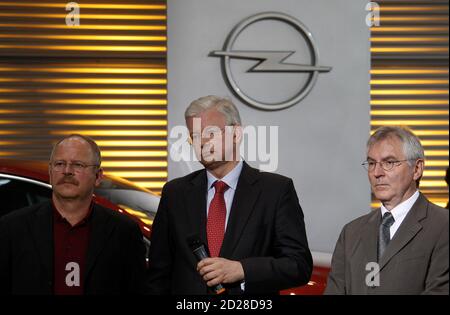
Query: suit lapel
[(196, 201), (407, 230), (41, 225), (241, 208), (99, 235), (369, 236), (364, 250)]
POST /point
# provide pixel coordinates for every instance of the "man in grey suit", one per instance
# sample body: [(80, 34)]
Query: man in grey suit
[(402, 247)]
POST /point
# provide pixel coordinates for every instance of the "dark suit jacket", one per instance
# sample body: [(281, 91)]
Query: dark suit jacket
[(115, 262), (265, 231), (415, 261)]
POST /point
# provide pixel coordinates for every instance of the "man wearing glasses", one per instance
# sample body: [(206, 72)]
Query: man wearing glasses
[(402, 247), (250, 222), (71, 245)]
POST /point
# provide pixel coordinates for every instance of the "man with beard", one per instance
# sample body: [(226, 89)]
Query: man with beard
[(250, 222), (70, 245)]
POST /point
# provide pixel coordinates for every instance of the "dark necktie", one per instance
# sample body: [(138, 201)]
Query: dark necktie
[(384, 235), (215, 225)]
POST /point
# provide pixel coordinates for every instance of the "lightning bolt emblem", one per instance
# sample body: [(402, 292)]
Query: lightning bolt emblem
[(270, 61)]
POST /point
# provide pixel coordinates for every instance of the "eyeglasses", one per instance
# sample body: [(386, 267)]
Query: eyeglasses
[(78, 167), (208, 131), (386, 165)]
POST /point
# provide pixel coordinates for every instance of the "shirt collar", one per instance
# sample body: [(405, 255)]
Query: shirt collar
[(231, 179), (403, 208), (59, 218)]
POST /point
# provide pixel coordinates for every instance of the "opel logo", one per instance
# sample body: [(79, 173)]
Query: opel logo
[(270, 61)]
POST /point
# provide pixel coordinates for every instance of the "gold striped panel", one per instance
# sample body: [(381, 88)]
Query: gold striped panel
[(121, 29), (409, 81), (106, 79)]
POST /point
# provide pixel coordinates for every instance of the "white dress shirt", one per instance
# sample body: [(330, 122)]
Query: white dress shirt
[(231, 179), (400, 211)]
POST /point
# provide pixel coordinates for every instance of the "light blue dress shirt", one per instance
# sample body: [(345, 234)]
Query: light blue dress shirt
[(231, 179)]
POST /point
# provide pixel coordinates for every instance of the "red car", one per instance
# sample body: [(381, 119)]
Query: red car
[(318, 282), (23, 183)]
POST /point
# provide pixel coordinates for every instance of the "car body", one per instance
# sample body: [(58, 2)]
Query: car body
[(23, 183), (318, 281)]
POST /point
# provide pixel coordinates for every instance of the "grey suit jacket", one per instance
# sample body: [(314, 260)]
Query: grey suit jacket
[(415, 261)]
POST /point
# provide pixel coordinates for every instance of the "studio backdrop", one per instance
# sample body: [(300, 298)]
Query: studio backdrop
[(298, 70)]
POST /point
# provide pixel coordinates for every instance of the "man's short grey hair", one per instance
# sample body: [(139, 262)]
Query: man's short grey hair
[(222, 105), (412, 148), (94, 147)]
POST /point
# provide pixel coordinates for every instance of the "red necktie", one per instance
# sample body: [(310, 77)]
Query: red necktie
[(215, 225)]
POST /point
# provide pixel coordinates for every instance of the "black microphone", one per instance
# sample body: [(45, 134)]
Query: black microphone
[(199, 251)]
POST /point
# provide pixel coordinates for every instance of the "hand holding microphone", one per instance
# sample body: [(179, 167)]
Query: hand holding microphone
[(199, 250)]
